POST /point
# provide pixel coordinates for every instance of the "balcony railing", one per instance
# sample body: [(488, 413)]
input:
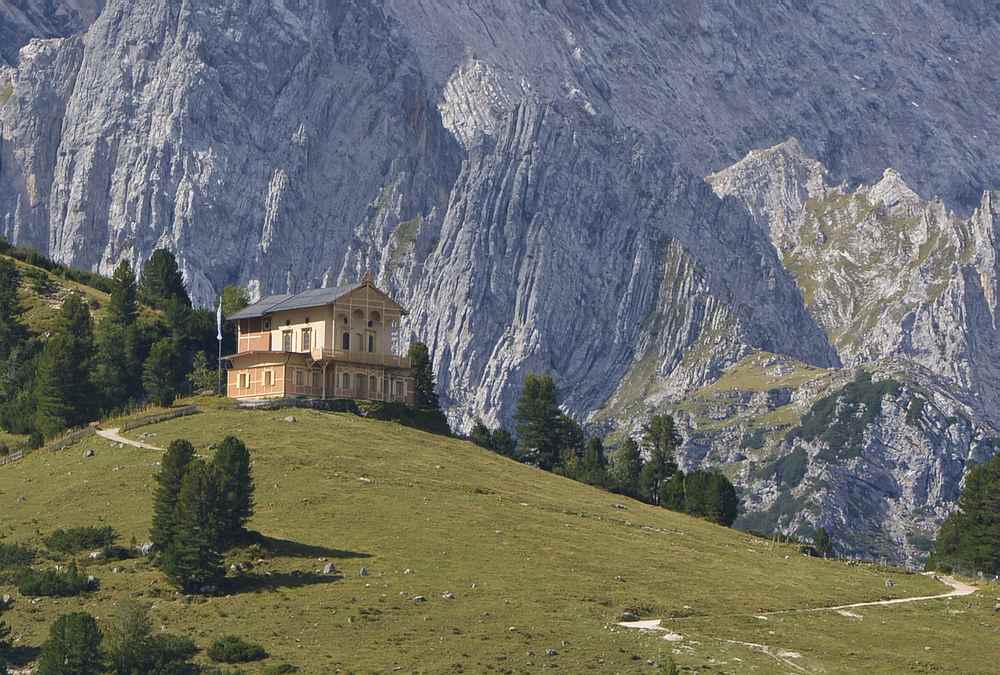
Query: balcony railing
[(366, 358)]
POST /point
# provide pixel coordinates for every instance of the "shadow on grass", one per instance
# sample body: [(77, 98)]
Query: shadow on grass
[(23, 655), (257, 583), (294, 549)]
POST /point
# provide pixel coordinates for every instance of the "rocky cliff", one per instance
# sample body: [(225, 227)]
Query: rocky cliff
[(529, 177)]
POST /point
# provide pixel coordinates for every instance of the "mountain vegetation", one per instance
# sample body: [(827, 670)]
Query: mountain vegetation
[(969, 540)]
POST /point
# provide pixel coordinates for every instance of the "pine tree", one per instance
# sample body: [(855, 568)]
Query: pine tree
[(128, 637), (627, 467), (661, 439), (161, 372), (114, 368), (161, 280), (423, 376), (73, 647), (123, 307), (12, 331), (235, 488), (594, 463), (539, 421), (672, 492), (234, 298), (710, 495), (174, 465), (65, 394), (822, 542), (202, 377), (193, 558), (969, 539)]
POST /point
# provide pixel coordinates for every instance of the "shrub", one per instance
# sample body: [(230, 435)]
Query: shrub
[(232, 649), (73, 647), (79, 539), (53, 583), (15, 555), (426, 419)]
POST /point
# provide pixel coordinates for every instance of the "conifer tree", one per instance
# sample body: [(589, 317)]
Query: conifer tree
[(161, 372), (73, 647), (672, 492), (661, 439), (65, 394), (193, 559), (123, 307), (235, 489), (594, 463), (822, 542), (627, 466), (539, 421), (423, 376), (969, 539), (161, 280), (12, 331), (5, 643), (174, 465)]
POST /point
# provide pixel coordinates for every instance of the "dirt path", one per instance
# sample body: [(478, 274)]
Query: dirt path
[(958, 589), (115, 437)]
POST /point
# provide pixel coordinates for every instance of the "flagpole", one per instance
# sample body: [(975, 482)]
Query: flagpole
[(218, 337)]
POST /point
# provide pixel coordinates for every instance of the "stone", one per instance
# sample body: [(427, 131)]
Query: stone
[(363, 572), (629, 616), (407, 571), (289, 418), (551, 652), (329, 568), (92, 582), (448, 595), (145, 548), (419, 599), (6, 601), (89, 452), (96, 555), (996, 607)]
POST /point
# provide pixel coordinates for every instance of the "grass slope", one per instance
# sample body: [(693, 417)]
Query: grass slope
[(536, 562)]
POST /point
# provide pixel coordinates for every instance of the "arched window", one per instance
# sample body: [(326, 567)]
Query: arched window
[(359, 343), (375, 316), (345, 342), (358, 314)]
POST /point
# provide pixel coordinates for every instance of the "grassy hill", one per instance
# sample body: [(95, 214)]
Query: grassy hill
[(535, 562)]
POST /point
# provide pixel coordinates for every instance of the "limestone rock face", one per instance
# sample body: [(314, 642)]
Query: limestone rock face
[(529, 180)]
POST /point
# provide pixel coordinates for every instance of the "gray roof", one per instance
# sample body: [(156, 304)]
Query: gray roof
[(314, 297)]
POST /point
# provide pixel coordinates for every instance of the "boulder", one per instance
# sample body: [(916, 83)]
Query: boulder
[(289, 418), (629, 616), (551, 652), (145, 549), (96, 555), (329, 568), (6, 601), (448, 595), (89, 452), (363, 572), (419, 599)]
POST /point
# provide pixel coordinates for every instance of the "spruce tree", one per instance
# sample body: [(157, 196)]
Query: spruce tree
[(174, 465), (539, 421), (65, 393), (627, 467), (423, 376), (235, 488), (969, 539), (113, 367), (661, 440), (161, 280), (822, 542), (123, 307), (161, 372), (193, 559), (594, 463), (672, 492), (73, 647), (12, 331)]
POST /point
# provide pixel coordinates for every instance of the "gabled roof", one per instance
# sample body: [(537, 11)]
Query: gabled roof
[(314, 297)]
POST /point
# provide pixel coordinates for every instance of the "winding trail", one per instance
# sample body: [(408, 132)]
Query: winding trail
[(114, 436)]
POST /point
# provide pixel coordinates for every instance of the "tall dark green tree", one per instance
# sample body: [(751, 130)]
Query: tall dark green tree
[(162, 372), (234, 483), (161, 280), (193, 559), (539, 421), (626, 467), (672, 492), (123, 306), (12, 331), (73, 647), (65, 393), (175, 463), (594, 463), (661, 440), (710, 495), (5, 643), (423, 376), (969, 540), (822, 542), (234, 298)]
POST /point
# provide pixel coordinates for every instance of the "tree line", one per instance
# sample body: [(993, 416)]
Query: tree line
[(84, 369), (551, 440)]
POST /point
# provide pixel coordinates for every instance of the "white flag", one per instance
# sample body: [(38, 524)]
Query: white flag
[(218, 321)]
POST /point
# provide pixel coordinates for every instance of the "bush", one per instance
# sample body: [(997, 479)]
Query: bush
[(53, 583), (15, 555), (79, 539), (232, 649)]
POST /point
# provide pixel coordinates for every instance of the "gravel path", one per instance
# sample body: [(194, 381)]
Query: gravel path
[(115, 437)]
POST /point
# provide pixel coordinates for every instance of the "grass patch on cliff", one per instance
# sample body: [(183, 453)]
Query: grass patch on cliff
[(535, 561)]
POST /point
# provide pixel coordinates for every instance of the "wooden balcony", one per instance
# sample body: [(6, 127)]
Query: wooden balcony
[(364, 358)]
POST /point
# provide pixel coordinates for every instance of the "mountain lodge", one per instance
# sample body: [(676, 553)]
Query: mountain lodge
[(321, 343)]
